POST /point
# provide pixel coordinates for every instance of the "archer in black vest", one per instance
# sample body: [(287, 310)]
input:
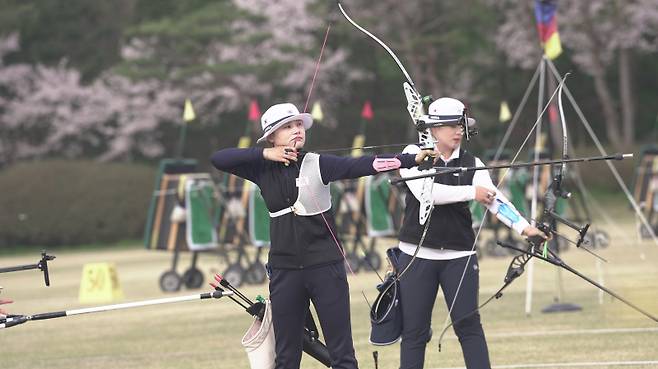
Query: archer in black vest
[(447, 257)]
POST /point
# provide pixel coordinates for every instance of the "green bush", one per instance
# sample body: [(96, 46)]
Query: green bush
[(57, 202)]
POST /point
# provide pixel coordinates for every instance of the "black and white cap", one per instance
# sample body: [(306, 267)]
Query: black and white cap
[(447, 111)]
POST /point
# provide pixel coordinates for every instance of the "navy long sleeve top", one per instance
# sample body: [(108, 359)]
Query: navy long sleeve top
[(297, 241)]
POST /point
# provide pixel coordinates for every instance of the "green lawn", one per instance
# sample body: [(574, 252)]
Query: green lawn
[(206, 334)]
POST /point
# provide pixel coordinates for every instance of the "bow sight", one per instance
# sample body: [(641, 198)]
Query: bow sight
[(42, 265)]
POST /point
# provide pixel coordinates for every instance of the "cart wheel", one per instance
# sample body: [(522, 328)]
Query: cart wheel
[(170, 281), (353, 262), (373, 260), (644, 231), (602, 238), (193, 278), (255, 273), (234, 274)]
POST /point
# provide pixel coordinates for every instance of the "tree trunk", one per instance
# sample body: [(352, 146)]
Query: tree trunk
[(626, 97), (432, 74), (610, 116), (597, 70)]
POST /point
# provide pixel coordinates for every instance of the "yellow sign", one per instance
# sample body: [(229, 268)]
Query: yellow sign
[(100, 284)]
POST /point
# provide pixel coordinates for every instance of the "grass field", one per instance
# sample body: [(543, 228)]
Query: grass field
[(206, 334)]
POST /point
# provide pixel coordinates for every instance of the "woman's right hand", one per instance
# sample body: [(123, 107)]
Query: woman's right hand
[(484, 195), (282, 154), (420, 157)]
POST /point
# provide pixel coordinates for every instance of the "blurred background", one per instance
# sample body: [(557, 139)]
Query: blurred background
[(92, 93), (110, 110)]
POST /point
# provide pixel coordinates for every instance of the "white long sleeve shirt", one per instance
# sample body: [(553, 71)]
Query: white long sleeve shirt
[(447, 194)]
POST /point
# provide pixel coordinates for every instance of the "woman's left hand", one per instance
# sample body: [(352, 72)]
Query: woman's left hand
[(531, 231)]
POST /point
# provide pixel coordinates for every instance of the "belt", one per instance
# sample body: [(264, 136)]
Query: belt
[(284, 211)]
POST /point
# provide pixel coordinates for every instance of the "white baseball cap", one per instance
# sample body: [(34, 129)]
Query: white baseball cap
[(277, 115)]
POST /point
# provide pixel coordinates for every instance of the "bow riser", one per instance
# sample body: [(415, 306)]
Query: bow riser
[(415, 109)]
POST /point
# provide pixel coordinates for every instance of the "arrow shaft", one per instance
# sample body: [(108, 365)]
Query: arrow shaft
[(97, 309), (449, 170)]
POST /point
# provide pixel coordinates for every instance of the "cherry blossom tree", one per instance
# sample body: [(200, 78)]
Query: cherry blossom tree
[(220, 56), (46, 111), (248, 49)]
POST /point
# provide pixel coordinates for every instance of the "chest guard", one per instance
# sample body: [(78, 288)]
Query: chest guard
[(313, 196)]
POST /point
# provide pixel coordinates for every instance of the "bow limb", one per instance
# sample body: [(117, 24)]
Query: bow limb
[(556, 190), (565, 140), (415, 109), (380, 42)]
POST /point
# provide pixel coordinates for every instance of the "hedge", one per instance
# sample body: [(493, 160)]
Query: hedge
[(58, 202)]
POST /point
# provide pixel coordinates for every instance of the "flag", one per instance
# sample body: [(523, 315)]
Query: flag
[(552, 114), (316, 112), (254, 111), (545, 14), (188, 111), (505, 113), (366, 112)]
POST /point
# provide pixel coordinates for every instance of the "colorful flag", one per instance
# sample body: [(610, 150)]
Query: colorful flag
[(505, 113), (366, 112), (316, 112), (188, 111), (254, 111), (545, 14)]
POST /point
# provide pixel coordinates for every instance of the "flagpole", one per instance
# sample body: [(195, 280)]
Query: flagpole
[(181, 141), (535, 179)]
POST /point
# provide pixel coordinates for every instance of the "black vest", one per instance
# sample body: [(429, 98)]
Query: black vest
[(450, 225)]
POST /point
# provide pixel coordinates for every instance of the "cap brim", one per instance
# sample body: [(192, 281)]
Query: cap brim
[(304, 117), (450, 122)]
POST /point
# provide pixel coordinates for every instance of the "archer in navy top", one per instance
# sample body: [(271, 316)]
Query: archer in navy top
[(297, 242)]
